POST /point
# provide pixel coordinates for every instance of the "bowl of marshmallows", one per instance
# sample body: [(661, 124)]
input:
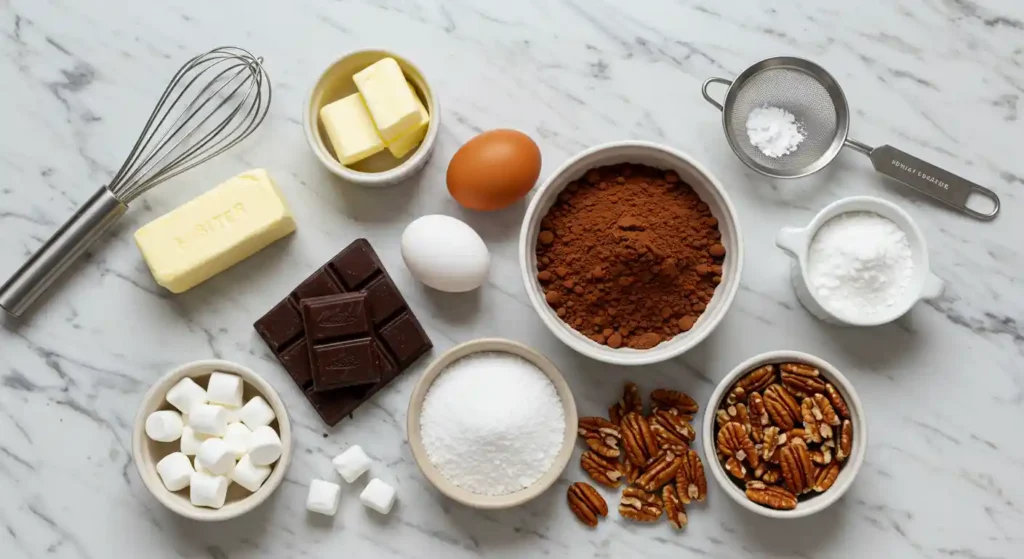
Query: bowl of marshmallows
[(211, 440)]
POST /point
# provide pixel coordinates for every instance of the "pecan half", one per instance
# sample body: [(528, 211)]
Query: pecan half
[(630, 470), (671, 429), (736, 395), (758, 379), (742, 416), (801, 379), (771, 496), (674, 509), (629, 402), (771, 442), (838, 403), (661, 471), (735, 468), (782, 408), (828, 413), (601, 435), (821, 456), (601, 469), (811, 426), (637, 438), (681, 402), (639, 505), (845, 441), (586, 503), (758, 416), (797, 469), (733, 440), (826, 477), (690, 481)]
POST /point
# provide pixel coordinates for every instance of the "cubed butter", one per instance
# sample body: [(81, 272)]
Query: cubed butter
[(390, 101), (408, 141), (215, 231), (351, 130)]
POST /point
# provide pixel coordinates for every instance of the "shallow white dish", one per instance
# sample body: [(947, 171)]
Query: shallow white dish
[(797, 240), (704, 184), (147, 452), (820, 501)]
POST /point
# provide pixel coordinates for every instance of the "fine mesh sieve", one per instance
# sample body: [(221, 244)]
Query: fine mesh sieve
[(813, 96)]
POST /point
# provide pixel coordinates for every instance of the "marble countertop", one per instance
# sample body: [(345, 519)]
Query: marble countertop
[(943, 387)]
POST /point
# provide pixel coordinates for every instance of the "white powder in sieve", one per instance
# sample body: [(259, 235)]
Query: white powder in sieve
[(859, 264), (774, 131), (492, 423)]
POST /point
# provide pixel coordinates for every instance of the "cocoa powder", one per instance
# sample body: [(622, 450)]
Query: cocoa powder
[(629, 255)]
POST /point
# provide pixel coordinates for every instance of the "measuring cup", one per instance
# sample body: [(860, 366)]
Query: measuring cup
[(797, 240), (812, 95)]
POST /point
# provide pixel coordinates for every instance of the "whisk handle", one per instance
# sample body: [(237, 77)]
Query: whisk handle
[(60, 251)]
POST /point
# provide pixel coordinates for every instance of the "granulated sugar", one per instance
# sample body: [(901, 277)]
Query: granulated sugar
[(492, 423), (774, 131)]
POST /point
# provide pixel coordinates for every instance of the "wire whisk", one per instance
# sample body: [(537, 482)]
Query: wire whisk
[(212, 103)]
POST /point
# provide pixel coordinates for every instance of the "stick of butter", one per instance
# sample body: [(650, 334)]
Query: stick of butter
[(350, 129), (215, 231), (388, 97), (406, 142)]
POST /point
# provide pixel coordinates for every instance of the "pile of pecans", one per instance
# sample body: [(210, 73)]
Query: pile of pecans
[(649, 452), (784, 432)]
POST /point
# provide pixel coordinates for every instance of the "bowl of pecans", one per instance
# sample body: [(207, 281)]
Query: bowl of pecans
[(789, 434)]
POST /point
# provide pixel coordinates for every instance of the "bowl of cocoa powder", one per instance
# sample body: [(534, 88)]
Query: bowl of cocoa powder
[(631, 252)]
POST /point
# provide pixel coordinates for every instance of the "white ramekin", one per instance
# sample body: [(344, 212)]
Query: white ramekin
[(703, 183), (819, 501), (796, 241)]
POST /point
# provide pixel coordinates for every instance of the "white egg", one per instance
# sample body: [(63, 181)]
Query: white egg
[(445, 253)]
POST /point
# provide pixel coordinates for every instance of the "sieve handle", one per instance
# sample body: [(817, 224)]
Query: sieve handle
[(708, 97), (953, 190)]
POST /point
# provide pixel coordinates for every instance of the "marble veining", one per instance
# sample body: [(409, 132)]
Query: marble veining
[(943, 387)]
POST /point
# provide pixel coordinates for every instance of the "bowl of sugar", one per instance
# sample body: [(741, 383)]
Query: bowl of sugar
[(491, 423)]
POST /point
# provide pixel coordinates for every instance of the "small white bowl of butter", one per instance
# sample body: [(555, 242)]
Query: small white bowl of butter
[(381, 167)]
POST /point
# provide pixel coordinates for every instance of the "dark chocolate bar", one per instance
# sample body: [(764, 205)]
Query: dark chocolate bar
[(397, 338), (339, 339)]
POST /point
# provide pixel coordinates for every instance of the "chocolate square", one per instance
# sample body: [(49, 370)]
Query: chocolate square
[(280, 326), (355, 264), (384, 298), (339, 337)]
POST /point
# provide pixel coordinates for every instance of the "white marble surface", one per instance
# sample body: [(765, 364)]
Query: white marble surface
[(943, 387)]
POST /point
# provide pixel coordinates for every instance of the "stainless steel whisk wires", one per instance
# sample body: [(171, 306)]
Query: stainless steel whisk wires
[(210, 105)]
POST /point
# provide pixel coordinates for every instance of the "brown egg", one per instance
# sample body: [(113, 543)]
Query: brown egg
[(493, 170)]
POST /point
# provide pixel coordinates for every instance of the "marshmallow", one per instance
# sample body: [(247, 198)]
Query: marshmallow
[(323, 497), (186, 395), (175, 471), (352, 463), (224, 389), (215, 457), (199, 468), (190, 440), (237, 437), (208, 420), (249, 475), (164, 426), (256, 413), (378, 495), (264, 446), (208, 490)]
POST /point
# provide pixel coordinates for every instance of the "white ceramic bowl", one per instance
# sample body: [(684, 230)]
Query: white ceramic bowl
[(797, 240), (147, 452), (382, 169), (817, 501), (435, 477), (704, 184)]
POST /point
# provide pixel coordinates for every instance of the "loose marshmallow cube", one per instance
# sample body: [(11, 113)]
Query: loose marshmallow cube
[(208, 490), (186, 395), (264, 446), (323, 497), (208, 420), (224, 389), (164, 426), (215, 456), (378, 495), (175, 471), (191, 441), (352, 463), (249, 475), (237, 438), (256, 413)]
